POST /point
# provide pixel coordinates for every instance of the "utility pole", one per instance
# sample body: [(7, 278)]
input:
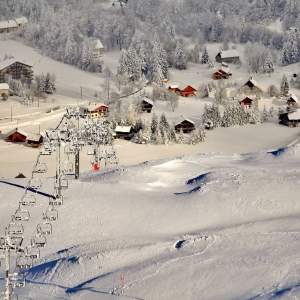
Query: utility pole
[(58, 169), (77, 165), (7, 272), (81, 92)]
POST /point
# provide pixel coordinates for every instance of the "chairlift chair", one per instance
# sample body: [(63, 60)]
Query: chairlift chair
[(40, 168), (22, 214), (64, 184), (44, 228), (67, 167), (69, 151), (38, 241), (15, 228), (14, 242), (35, 184), (51, 214), (28, 200), (46, 150), (56, 201), (32, 252), (17, 280), (91, 151), (24, 262), (114, 160), (13, 296), (52, 134)]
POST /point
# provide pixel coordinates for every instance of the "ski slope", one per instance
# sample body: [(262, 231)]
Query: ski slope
[(206, 226)]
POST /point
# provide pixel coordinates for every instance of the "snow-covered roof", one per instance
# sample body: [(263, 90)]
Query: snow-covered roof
[(148, 100), (8, 24), (124, 129), (7, 62), (4, 86), (21, 20), (173, 86), (242, 97), (94, 106), (33, 137), (229, 53), (17, 130), (254, 82), (180, 119), (294, 115), (98, 44), (226, 70), (293, 97)]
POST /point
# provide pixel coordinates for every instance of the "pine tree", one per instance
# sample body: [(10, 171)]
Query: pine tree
[(164, 129), (50, 84), (285, 56), (123, 63), (204, 57), (172, 134), (159, 57), (264, 116), (285, 87), (143, 59), (201, 134), (154, 127), (157, 74), (180, 139), (70, 46), (180, 59), (294, 53), (193, 139), (210, 65), (268, 65), (159, 139), (196, 53)]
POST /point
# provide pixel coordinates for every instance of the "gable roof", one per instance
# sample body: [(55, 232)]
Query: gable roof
[(7, 62), (8, 24), (124, 129), (254, 82), (17, 130), (21, 20), (20, 175), (98, 44), (93, 106), (180, 119), (182, 86), (4, 86), (147, 100), (295, 98), (173, 86), (294, 115), (229, 53), (33, 137), (242, 97)]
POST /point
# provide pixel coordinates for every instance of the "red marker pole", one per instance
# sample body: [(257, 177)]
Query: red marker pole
[(122, 279)]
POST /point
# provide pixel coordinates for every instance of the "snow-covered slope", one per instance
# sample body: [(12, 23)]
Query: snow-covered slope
[(208, 226)]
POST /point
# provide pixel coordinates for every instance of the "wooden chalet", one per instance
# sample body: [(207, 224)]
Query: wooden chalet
[(292, 100), (183, 90), (245, 100), (16, 135), (21, 22), (98, 49), (5, 90), (34, 140), (229, 56), (8, 26), (97, 110), (123, 132), (222, 73), (185, 124), (291, 119), (16, 69), (252, 86), (147, 104)]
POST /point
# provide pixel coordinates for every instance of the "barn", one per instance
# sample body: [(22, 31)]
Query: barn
[(185, 124), (291, 119), (97, 110), (147, 104), (245, 100), (21, 22), (251, 86), (223, 73), (16, 135), (16, 69), (183, 90), (34, 140), (123, 132), (229, 56), (292, 100)]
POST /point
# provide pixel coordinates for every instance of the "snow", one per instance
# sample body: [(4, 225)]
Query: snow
[(4, 86), (294, 115), (182, 119), (229, 54), (8, 24), (99, 44), (17, 130), (242, 97), (124, 129), (21, 20)]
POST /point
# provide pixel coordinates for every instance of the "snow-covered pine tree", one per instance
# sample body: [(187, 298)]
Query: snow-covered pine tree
[(193, 139), (164, 129), (180, 139), (204, 57), (210, 65), (180, 59), (269, 65), (157, 73), (50, 83), (285, 87), (159, 57), (196, 54), (70, 47), (294, 52), (264, 115), (154, 127), (172, 133), (139, 138), (216, 115), (123, 63), (134, 64), (159, 139), (201, 135), (143, 55), (42, 83), (285, 56)]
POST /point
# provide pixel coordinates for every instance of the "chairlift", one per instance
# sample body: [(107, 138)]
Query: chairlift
[(114, 160), (17, 280), (91, 151), (38, 241), (40, 168), (69, 151), (24, 262), (28, 200), (44, 228), (56, 201), (14, 242), (35, 184), (13, 296), (15, 228), (22, 214), (46, 150), (51, 214), (64, 184), (52, 134), (67, 167), (32, 252), (3, 244)]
